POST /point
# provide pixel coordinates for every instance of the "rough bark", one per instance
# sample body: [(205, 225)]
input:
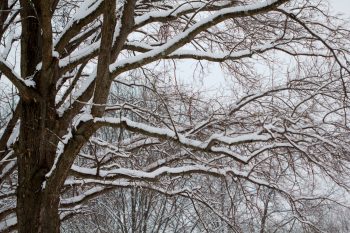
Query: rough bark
[(37, 206)]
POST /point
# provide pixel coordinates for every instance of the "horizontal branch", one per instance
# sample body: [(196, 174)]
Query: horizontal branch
[(205, 146)]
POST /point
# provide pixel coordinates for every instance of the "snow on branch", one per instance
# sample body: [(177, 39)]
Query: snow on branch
[(88, 11), (126, 173), (21, 84), (102, 186), (209, 56), (179, 10), (207, 146), (186, 36)]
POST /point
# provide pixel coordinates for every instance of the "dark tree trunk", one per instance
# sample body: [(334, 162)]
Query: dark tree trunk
[(37, 206)]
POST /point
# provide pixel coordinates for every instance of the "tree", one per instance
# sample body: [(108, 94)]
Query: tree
[(284, 133)]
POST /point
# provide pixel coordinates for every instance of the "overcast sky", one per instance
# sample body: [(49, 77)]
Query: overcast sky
[(215, 78), (341, 6)]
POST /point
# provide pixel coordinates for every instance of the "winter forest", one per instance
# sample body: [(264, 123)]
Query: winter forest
[(189, 116)]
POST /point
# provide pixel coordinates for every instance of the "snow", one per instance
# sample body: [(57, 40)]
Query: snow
[(118, 183), (172, 12), (8, 44), (84, 117), (209, 55), (116, 176), (6, 223), (79, 54), (85, 8), (269, 147), (136, 125), (192, 143), (65, 139), (156, 173), (14, 136), (7, 167), (81, 196), (140, 44), (28, 82), (55, 54), (220, 145), (85, 85), (39, 66), (7, 156), (187, 7), (172, 43), (60, 149), (226, 55), (240, 139)]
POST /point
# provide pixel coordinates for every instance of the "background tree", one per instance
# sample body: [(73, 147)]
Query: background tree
[(281, 135)]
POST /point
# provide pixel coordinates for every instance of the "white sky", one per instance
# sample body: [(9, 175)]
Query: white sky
[(342, 6), (214, 80)]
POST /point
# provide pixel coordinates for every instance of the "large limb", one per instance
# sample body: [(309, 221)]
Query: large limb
[(84, 130)]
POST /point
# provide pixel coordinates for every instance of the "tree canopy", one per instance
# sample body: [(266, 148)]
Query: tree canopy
[(92, 102)]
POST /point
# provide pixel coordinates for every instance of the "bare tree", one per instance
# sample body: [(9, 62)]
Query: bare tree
[(285, 132)]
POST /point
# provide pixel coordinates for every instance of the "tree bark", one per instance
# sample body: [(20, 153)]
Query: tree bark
[(37, 207)]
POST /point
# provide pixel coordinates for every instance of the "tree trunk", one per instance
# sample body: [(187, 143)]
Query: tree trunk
[(36, 211), (37, 207)]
